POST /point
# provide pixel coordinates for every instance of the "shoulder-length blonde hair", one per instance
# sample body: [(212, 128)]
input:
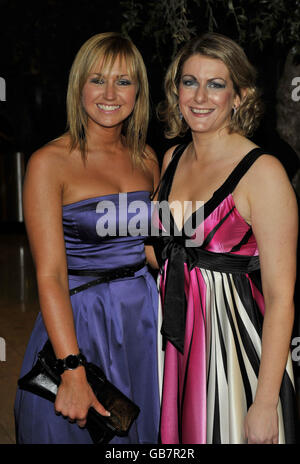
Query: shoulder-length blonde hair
[(105, 48), (242, 73)]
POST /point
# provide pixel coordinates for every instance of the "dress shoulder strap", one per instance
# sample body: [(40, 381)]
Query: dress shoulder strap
[(166, 181), (239, 171), (178, 151), (226, 188)]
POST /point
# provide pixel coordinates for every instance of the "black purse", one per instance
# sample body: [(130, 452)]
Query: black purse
[(43, 380)]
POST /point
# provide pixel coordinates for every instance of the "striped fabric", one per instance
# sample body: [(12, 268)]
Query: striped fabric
[(208, 388)]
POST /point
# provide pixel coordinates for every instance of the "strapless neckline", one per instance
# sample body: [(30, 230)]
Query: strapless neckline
[(85, 200)]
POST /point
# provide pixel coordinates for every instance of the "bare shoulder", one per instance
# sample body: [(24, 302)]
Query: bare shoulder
[(152, 165), (151, 156), (267, 171), (52, 157), (151, 161), (167, 157), (268, 187), (47, 172)]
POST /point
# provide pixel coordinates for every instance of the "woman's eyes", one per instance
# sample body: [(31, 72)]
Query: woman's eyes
[(216, 85), (121, 82), (210, 84), (189, 82), (124, 82), (97, 80)]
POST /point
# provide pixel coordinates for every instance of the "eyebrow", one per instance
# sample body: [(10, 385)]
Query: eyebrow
[(210, 79)]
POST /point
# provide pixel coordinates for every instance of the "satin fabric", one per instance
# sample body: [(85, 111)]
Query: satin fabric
[(116, 322), (213, 323)]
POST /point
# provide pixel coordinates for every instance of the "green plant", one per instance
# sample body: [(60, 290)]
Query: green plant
[(171, 22)]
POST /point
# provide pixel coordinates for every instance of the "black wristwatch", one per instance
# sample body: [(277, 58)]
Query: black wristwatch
[(70, 362)]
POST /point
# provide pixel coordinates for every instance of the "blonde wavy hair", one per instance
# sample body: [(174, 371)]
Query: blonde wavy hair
[(243, 75), (105, 48)]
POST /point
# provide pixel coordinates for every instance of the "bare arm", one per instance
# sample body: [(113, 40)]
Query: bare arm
[(43, 189), (167, 158), (274, 220), (153, 166)]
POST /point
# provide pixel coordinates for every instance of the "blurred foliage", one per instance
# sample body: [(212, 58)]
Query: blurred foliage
[(255, 22)]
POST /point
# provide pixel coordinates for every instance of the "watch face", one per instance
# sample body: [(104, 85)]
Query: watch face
[(72, 361)]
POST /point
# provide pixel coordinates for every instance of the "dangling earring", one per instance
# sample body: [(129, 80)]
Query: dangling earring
[(179, 112), (234, 108)]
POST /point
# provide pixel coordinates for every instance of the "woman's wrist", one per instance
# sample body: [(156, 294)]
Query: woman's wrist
[(266, 400), (77, 374)]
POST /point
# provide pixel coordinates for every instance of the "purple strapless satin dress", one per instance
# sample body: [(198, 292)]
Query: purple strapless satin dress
[(116, 322)]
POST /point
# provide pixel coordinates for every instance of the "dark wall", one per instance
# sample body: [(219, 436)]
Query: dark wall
[(38, 42)]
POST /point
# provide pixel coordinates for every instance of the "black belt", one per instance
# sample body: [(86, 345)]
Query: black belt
[(175, 250), (104, 275)]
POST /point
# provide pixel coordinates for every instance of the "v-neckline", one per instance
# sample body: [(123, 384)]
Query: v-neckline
[(212, 203)]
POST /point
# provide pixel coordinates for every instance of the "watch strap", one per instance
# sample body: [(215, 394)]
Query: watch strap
[(70, 362)]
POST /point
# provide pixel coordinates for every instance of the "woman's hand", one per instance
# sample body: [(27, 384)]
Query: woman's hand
[(75, 397), (261, 424)]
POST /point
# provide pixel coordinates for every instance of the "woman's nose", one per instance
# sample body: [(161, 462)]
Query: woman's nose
[(200, 94), (109, 91)]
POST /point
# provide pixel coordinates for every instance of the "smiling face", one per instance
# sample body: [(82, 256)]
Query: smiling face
[(206, 94), (108, 95)]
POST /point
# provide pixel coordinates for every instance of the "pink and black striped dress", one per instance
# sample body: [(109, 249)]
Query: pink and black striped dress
[(213, 311)]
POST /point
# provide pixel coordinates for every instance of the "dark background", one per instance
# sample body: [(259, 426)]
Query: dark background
[(39, 40)]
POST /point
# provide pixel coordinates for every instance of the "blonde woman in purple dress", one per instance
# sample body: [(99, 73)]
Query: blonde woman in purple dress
[(101, 160)]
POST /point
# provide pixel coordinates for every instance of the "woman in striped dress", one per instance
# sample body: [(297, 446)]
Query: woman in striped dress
[(228, 262)]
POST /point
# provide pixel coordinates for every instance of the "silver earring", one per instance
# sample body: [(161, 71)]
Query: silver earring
[(234, 110), (180, 115)]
